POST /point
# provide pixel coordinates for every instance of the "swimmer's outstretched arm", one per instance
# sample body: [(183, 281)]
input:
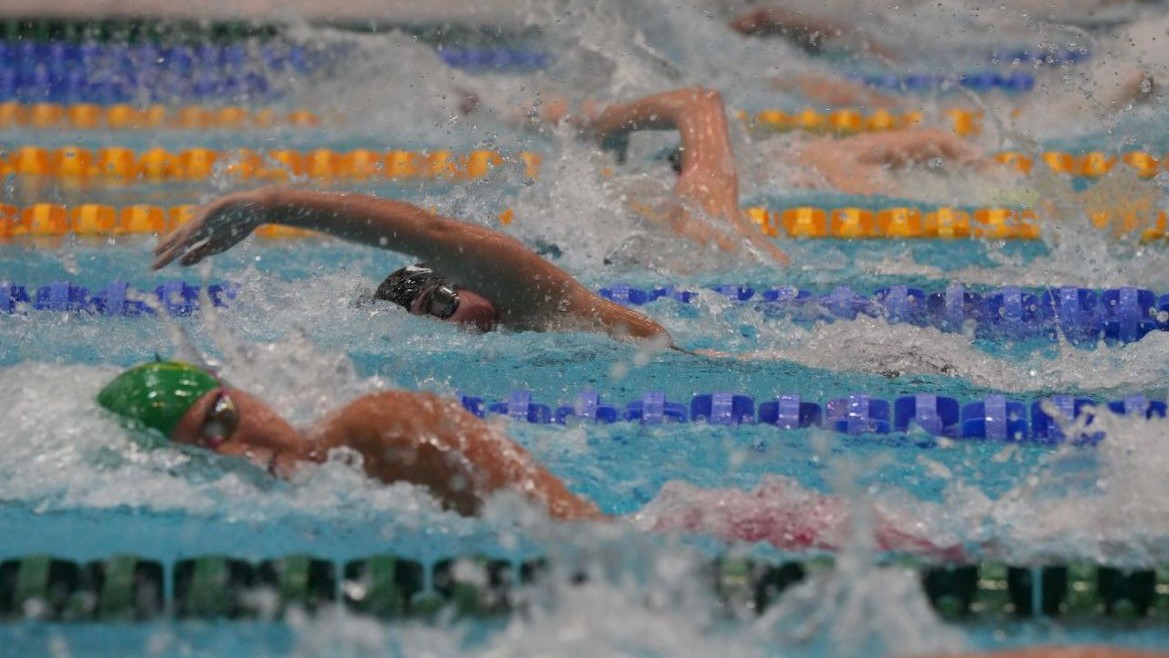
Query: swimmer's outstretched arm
[(527, 291), (860, 164), (807, 29), (810, 27), (431, 441)]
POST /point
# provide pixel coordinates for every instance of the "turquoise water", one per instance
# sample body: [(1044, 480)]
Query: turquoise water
[(73, 485)]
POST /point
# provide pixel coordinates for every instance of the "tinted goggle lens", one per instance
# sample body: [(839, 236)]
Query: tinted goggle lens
[(221, 421), (442, 302)]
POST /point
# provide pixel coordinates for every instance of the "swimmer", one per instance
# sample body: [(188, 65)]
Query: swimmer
[(473, 276), (860, 164), (462, 460), (1127, 57), (401, 437), (432, 442), (809, 28), (708, 177)]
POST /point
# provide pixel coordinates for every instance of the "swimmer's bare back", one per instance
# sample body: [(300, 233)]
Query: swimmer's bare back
[(527, 291)]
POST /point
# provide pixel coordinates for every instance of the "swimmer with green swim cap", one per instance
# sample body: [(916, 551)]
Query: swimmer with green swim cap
[(402, 436), (156, 395)]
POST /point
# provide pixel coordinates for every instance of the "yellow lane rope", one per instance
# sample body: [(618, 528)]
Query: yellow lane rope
[(49, 220), (124, 116), (88, 116), (158, 164), (847, 121)]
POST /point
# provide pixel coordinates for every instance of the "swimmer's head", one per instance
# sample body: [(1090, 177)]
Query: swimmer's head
[(423, 291), (406, 286), (156, 395)]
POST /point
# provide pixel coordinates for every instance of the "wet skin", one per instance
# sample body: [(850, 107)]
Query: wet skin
[(525, 291), (419, 438), (474, 311)]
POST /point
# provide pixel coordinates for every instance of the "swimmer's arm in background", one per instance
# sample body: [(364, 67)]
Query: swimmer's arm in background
[(807, 29), (657, 112), (709, 175), (812, 29)]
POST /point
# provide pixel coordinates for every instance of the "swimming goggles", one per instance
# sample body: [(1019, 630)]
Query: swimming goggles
[(442, 301), (220, 421), (406, 285)]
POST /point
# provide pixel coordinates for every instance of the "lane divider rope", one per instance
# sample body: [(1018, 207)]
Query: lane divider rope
[(123, 116), (50, 220), (89, 116), (979, 81), (118, 298), (847, 121), (44, 220), (940, 223), (1040, 55), (104, 73), (1081, 316), (996, 416), (133, 588), (157, 164)]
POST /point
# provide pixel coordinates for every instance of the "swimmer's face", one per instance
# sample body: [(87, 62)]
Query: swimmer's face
[(423, 291), (464, 307), (259, 434)]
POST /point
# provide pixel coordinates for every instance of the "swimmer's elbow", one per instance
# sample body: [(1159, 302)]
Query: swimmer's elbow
[(701, 94), (643, 330)]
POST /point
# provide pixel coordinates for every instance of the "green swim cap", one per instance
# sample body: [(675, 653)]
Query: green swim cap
[(156, 395)]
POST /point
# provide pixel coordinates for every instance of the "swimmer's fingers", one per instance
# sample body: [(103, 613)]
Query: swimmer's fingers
[(171, 246), (756, 237), (941, 144), (215, 228), (900, 149), (198, 251)]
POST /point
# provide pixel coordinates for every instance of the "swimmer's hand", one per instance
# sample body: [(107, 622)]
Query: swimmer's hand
[(903, 148), (214, 228), (861, 164), (808, 30)]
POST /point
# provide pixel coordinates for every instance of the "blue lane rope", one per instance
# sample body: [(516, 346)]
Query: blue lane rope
[(128, 58), (1081, 316), (997, 417), (107, 73), (116, 299), (498, 59), (1014, 82), (1045, 56), (32, 71)]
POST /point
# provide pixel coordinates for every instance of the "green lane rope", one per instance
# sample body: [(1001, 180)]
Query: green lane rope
[(217, 587)]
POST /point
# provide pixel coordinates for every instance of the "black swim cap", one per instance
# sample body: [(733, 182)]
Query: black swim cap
[(403, 286)]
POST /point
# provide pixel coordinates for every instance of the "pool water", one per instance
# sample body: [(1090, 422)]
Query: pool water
[(74, 486)]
